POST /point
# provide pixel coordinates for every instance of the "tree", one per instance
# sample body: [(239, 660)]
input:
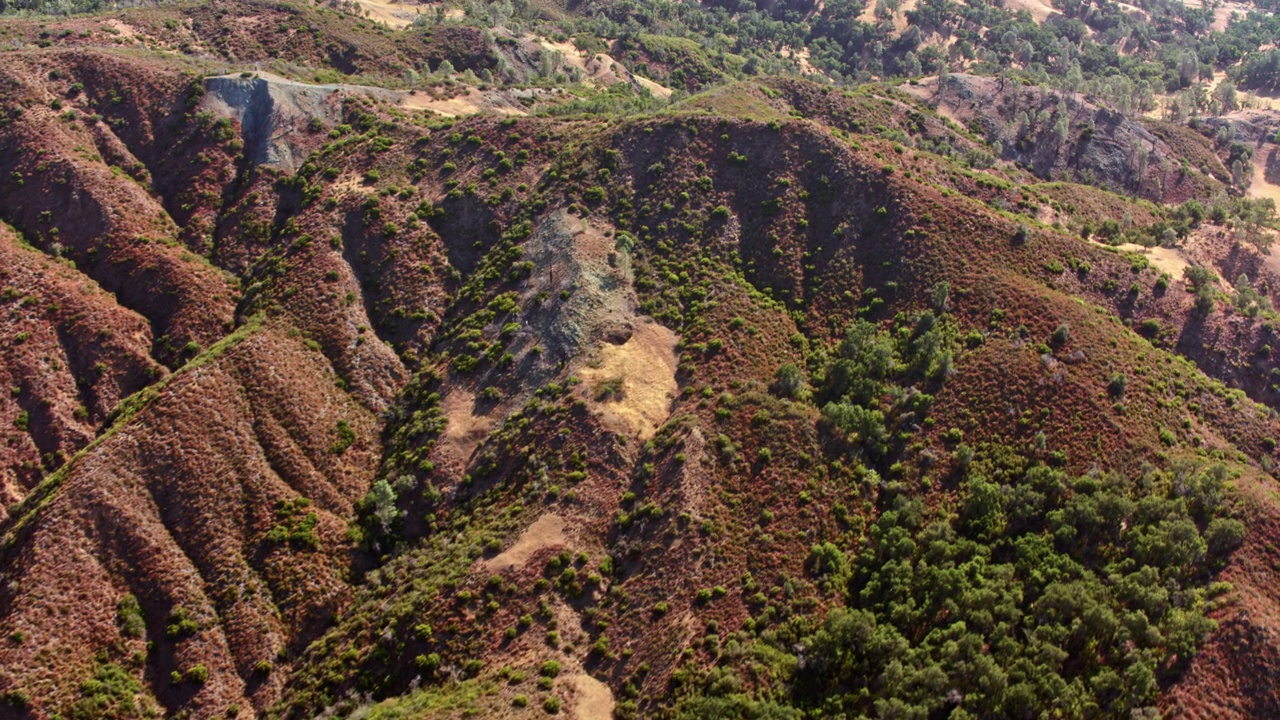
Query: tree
[(1223, 535), (1258, 217), (1139, 158), (1201, 280), (789, 381), (941, 296), (911, 65), (1188, 68), (1224, 97), (1061, 128), (380, 512)]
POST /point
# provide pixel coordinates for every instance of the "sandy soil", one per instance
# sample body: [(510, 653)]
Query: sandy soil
[(465, 430), (1222, 16), (1266, 184), (646, 363), (802, 58), (125, 30), (396, 15), (602, 69), (472, 102), (292, 94), (900, 18), (1167, 260), (1039, 9), (546, 531), (595, 699)]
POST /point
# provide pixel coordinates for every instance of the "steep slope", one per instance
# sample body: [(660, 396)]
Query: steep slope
[(70, 355), (203, 530), (668, 160), (768, 403), (64, 196)]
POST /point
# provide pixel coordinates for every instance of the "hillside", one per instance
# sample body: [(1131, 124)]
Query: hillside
[(385, 361)]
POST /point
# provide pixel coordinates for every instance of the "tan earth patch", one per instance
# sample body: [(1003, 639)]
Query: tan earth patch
[(646, 365), (899, 16), (466, 430), (1271, 261), (590, 699), (1164, 259), (348, 185), (926, 90), (1266, 174), (603, 69), (396, 15), (472, 102), (595, 699), (900, 22), (801, 57), (124, 29), (1040, 11), (546, 531), (1222, 14)]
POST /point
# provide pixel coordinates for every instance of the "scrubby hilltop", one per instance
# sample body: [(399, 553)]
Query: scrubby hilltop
[(484, 368)]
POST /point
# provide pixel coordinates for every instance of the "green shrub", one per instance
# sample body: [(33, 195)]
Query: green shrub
[(790, 381), (112, 692), (1223, 535), (129, 617), (181, 623), (1117, 384), (1061, 335), (346, 437)]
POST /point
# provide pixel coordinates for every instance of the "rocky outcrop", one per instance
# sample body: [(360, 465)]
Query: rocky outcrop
[(273, 114), (1068, 136)]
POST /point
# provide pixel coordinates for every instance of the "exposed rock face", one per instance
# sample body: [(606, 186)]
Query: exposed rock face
[(1065, 136), (273, 114)]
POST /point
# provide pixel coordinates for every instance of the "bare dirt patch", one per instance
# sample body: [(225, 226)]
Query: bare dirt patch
[(590, 698), (645, 368), (594, 698), (547, 531), (1168, 260), (122, 29), (1271, 261), (801, 57), (1222, 14), (469, 103), (1266, 174), (604, 70), (274, 110), (1040, 11), (395, 15), (1164, 259), (466, 429)]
